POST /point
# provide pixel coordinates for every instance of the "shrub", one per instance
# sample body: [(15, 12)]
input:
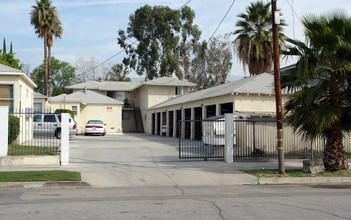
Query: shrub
[(59, 111), (14, 128)]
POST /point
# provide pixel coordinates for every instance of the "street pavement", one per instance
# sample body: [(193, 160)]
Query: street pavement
[(141, 160)]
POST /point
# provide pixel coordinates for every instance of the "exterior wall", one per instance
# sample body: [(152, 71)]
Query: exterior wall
[(45, 106), (256, 103), (143, 101), (23, 94), (241, 103), (128, 121), (111, 116)]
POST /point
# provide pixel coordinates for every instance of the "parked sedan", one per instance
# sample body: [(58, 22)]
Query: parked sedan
[(95, 127)]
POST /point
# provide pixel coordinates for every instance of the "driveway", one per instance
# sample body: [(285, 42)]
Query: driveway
[(138, 160)]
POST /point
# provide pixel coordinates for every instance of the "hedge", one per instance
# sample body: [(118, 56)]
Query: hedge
[(14, 128), (59, 111)]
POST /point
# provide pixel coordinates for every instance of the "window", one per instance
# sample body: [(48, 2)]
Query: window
[(177, 91), (49, 118), (37, 118), (6, 96), (110, 94), (74, 109), (120, 96), (37, 107)]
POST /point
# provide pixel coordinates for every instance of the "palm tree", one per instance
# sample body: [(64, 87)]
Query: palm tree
[(253, 43), (42, 18), (119, 73), (55, 31), (322, 77)]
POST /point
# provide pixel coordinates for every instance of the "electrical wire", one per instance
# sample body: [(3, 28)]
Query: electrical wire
[(292, 12), (124, 49), (221, 21)]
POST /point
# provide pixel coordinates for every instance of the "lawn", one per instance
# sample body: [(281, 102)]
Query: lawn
[(267, 173), (15, 150), (37, 176)]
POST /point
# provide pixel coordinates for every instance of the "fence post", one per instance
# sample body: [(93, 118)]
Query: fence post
[(64, 138), (229, 135), (4, 117)]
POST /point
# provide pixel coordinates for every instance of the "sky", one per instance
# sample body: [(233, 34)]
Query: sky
[(90, 26)]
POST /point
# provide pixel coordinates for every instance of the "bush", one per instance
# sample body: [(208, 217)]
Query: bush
[(59, 111), (14, 128)]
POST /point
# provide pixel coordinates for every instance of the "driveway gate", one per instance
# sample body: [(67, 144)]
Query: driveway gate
[(253, 139)]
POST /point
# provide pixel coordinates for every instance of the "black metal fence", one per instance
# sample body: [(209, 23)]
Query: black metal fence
[(33, 133), (253, 139)]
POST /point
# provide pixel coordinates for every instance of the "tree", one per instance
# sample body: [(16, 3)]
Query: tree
[(62, 75), (219, 60), (198, 69), (157, 39), (88, 69), (43, 17), (10, 60), (322, 77), (55, 31), (253, 43), (4, 47), (118, 72)]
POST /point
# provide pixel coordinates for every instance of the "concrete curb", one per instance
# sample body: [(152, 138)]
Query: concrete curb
[(304, 180), (49, 184)]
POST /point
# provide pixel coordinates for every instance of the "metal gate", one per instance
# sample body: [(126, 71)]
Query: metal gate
[(253, 139), (33, 134)]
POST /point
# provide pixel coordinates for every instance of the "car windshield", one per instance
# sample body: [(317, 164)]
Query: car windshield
[(94, 122)]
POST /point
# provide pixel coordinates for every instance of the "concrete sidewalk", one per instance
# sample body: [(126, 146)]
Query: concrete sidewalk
[(139, 160)]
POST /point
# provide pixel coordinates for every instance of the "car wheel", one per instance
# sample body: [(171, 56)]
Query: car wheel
[(103, 134), (58, 134), (86, 134)]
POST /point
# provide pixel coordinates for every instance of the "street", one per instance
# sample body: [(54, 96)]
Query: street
[(202, 202)]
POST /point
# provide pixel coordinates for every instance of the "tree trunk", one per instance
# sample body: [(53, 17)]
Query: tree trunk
[(49, 70), (45, 67), (334, 154)]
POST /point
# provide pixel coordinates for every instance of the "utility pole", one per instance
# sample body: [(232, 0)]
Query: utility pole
[(278, 94)]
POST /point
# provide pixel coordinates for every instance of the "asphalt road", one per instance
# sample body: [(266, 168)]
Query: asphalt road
[(205, 202)]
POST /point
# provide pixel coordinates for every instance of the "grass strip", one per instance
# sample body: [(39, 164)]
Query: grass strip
[(266, 173), (15, 150), (37, 176)]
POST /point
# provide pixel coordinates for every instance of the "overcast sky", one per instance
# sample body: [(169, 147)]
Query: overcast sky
[(90, 26)]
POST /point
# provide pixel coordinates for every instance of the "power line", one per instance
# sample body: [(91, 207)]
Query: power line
[(222, 20), (184, 5), (124, 49)]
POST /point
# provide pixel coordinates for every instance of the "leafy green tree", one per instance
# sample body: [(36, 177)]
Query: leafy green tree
[(253, 43), (43, 18), (62, 75), (322, 78), (158, 39), (118, 72), (4, 47), (10, 60)]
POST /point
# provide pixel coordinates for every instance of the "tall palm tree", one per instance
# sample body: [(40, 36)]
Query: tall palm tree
[(55, 31), (42, 18), (119, 73), (322, 77), (253, 43)]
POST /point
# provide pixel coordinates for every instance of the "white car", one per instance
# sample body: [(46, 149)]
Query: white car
[(95, 127)]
